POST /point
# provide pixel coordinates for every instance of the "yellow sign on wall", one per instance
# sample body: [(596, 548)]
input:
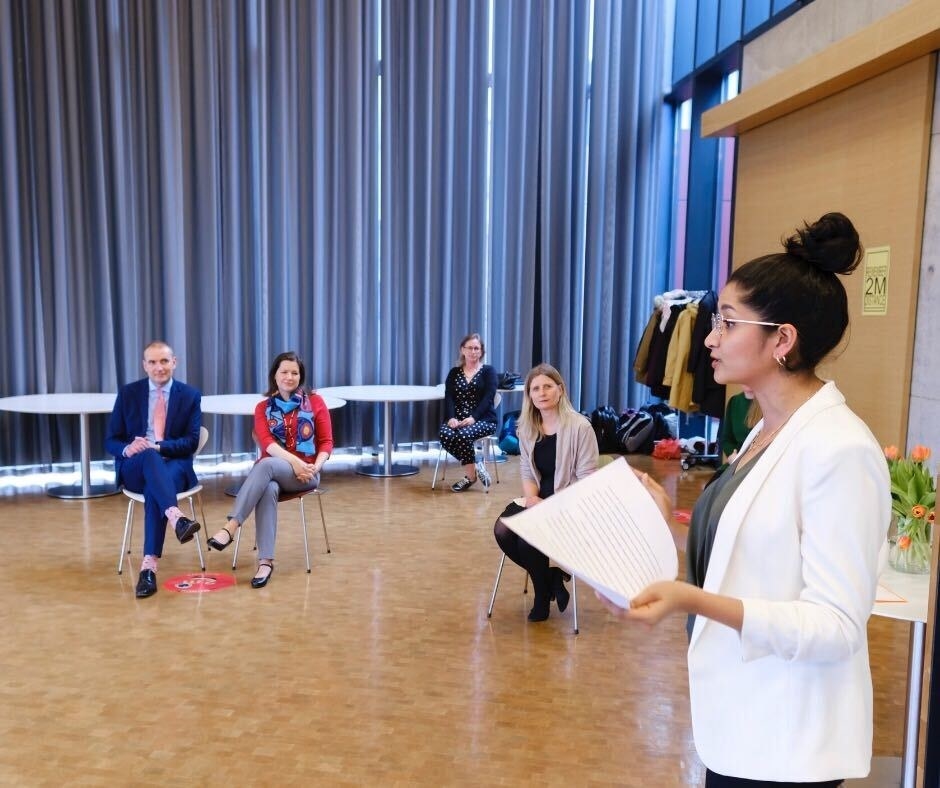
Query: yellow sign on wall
[(875, 280)]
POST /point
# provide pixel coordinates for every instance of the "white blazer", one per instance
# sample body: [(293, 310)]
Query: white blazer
[(789, 698)]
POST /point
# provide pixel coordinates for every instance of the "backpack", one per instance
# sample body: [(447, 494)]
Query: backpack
[(640, 429), (508, 439), (635, 432), (509, 424), (604, 421)]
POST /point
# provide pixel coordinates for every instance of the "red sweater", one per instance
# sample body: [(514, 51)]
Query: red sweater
[(321, 420)]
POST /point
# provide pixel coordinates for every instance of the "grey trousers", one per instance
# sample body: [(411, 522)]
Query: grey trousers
[(259, 494)]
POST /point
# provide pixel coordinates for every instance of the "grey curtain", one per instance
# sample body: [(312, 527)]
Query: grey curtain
[(604, 193), (201, 171), (242, 177)]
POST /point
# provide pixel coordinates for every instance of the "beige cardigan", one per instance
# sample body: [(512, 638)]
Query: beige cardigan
[(575, 453)]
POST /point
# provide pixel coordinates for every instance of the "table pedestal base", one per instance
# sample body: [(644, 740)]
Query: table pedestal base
[(382, 471), (78, 491)]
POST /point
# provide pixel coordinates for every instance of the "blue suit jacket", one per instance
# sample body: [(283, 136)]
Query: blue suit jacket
[(183, 419)]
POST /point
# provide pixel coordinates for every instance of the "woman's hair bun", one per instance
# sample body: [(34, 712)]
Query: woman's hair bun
[(831, 244)]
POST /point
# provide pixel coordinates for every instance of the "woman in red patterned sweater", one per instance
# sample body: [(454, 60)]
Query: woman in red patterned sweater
[(295, 434)]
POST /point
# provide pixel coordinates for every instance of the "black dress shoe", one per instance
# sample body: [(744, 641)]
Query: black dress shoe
[(185, 528), (558, 588), (146, 583), (260, 581)]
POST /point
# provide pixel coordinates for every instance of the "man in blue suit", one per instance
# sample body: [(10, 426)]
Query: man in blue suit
[(153, 433)]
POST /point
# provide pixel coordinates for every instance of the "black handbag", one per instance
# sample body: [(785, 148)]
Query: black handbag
[(508, 380)]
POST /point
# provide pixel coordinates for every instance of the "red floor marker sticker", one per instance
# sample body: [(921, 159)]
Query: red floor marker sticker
[(681, 515), (199, 583)]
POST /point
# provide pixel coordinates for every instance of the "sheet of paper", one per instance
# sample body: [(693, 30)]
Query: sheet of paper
[(885, 594), (606, 530)]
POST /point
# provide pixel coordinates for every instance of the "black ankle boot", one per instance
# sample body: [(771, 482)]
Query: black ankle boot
[(559, 592), (540, 609)]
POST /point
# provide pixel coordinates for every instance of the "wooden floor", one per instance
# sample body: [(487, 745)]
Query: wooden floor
[(379, 668)]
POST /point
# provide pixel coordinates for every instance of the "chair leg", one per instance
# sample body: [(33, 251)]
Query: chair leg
[(202, 512), (438, 465), (238, 538), (499, 574), (488, 450), (574, 601), (192, 508), (303, 525), (125, 542), (484, 447), (323, 520)]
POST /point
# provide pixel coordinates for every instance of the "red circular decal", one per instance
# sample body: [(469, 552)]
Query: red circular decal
[(681, 515), (199, 583)]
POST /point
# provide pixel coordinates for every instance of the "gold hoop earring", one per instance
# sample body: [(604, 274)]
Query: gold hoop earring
[(781, 361)]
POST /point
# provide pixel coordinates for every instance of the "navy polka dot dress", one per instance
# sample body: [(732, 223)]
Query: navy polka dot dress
[(467, 396)]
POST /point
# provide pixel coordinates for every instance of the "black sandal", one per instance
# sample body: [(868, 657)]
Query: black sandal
[(215, 544), (260, 581)]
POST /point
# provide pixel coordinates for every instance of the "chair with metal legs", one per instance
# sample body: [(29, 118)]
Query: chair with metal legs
[(290, 496), (484, 445), (525, 590), (189, 494)]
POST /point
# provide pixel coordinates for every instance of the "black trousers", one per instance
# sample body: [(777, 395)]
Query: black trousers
[(715, 780), (520, 552)]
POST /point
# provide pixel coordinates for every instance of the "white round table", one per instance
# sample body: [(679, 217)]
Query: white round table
[(244, 405), (915, 589), (388, 395), (79, 404)]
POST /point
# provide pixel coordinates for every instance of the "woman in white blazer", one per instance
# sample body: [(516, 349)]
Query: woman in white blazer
[(782, 554), (557, 447)]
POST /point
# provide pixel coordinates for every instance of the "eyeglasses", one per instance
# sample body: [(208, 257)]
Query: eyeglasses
[(720, 321), (473, 348)]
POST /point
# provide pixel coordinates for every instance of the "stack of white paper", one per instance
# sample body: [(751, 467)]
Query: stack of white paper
[(605, 530)]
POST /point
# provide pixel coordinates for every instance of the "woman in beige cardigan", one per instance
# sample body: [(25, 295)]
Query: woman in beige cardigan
[(558, 447)]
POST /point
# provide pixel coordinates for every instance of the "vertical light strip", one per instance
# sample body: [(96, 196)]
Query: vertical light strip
[(488, 207), (725, 181), (379, 67), (680, 192), (586, 160)]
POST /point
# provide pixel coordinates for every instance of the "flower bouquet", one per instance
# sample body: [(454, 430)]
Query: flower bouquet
[(913, 498)]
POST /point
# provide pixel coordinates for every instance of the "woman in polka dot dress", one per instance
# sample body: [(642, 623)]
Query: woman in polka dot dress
[(469, 413)]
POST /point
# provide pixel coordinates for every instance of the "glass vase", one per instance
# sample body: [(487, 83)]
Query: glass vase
[(909, 548)]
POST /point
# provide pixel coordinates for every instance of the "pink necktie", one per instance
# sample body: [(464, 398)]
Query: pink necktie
[(159, 416)]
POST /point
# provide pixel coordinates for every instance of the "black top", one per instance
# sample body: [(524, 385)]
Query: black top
[(543, 458), (472, 397), (704, 524)]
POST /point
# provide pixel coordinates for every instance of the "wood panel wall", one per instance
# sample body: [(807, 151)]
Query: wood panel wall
[(864, 152)]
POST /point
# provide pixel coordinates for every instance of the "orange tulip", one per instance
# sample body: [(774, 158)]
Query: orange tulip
[(918, 511), (891, 452), (904, 542), (920, 453)]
